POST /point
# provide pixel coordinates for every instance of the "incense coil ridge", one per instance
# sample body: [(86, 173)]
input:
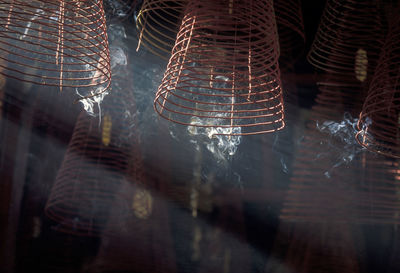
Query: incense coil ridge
[(56, 43), (349, 35), (158, 23), (289, 20), (96, 172), (379, 122), (224, 73)]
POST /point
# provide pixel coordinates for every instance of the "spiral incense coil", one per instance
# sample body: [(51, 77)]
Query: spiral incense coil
[(331, 182), (379, 123), (289, 19), (223, 73), (95, 173), (56, 43), (158, 23), (349, 35)]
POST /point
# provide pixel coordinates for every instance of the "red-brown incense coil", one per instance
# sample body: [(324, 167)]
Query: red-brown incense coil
[(158, 23), (379, 122), (289, 19), (347, 38), (223, 73), (94, 174), (56, 43)]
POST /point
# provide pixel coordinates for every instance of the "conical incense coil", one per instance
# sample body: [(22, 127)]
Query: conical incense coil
[(56, 43), (158, 23), (349, 35), (289, 19), (223, 73), (94, 175), (379, 123), (346, 56)]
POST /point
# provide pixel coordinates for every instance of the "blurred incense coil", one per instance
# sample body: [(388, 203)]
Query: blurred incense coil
[(379, 122), (289, 19), (345, 184), (96, 171), (223, 74), (56, 43), (345, 50), (349, 35), (157, 23)]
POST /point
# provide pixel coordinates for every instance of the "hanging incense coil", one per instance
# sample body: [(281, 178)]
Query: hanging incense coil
[(223, 74), (289, 19), (379, 123), (342, 185), (349, 35), (334, 182), (345, 51), (95, 173), (56, 43), (158, 23)]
